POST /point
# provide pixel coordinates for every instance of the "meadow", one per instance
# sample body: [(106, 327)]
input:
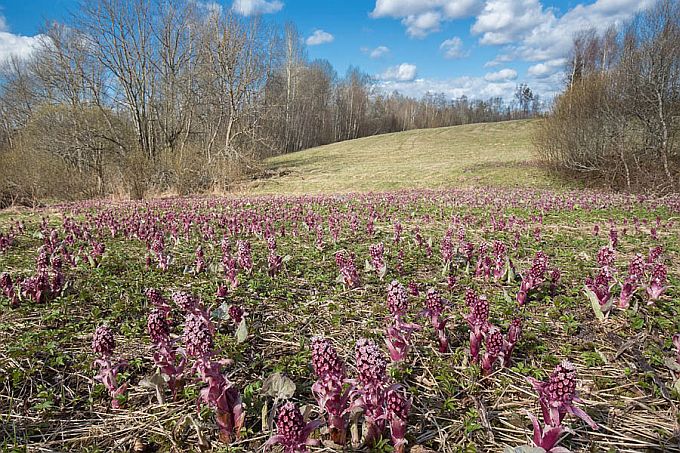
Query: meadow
[(469, 319)]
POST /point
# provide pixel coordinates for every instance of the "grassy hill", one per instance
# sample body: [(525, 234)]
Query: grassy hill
[(474, 154)]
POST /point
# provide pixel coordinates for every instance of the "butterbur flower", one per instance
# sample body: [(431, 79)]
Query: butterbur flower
[(157, 326), (185, 301), (236, 313), (676, 343), (348, 271), (377, 252), (370, 362), (7, 287), (398, 407), (657, 283), (199, 264), (292, 433), (329, 390), (514, 334), (557, 395), (197, 336), (493, 345), (325, 359), (478, 322), (397, 299), (165, 353), (434, 309), (244, 255), (370, 393), (104, 344), (398, 339)]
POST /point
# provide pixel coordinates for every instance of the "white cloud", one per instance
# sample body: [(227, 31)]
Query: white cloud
[(472, 87), (405, 72), (499, 60), (3, 23), (17, 45), (422, 17), (547, 68), (503, 75), (423, 24), (319, 37), (504, 21), (453, 48), (255, 7), (378, 52), (210, 8)]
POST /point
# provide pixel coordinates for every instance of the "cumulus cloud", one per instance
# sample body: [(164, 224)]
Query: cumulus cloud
[(503, 75), (472, 87), (547, 68), (504, 21), (422, 17), (378, 52), (255, 7), (453, 48), (405, 72), (319, 37), (16, 45)]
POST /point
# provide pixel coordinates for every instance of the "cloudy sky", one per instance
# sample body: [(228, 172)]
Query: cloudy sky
[(478, 48)]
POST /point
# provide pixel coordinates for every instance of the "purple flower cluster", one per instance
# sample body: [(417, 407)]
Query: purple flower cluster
[(434, 310), (348, 271), (103, 344)]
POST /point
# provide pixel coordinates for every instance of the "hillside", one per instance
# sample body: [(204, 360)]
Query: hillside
[(475, 154)]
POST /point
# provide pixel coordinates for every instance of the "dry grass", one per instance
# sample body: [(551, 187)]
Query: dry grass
[(476, 154)]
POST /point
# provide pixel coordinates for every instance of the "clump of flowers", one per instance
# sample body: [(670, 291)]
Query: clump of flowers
[(501, 261), (329, 390), (348, 271), (434, 310), (165, 355), (377, 252), (398, 407), (657, 282), (370, 392), (103, 344), (599, 289), (477, 320), (199, 263), (292, 433), (514, 334), (534, 278), (397, 299), (447, 250), (636, 272), (244, 255), (493, 348), (274, 260), (8, 290), (219, 393), (556, 397), (399, 333), (484, 262)]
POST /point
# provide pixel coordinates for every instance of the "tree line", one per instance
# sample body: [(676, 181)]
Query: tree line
[(618, 120), (132, 97)]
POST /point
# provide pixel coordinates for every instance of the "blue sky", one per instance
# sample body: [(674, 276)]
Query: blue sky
[(478, 48)]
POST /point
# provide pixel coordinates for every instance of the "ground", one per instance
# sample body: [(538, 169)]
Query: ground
[(625, 363)]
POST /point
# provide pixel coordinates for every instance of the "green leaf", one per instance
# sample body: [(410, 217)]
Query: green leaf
[(595, 303)]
